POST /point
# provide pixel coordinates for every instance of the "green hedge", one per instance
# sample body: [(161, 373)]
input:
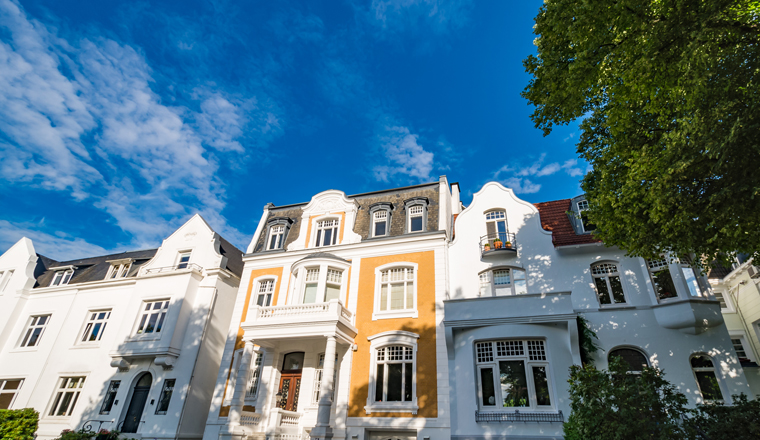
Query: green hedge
[(18, 424)]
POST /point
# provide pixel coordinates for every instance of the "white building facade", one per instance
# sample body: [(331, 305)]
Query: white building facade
[(130, 341), (512, 308)]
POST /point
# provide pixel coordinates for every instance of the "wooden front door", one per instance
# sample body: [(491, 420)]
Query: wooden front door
[(290, 386)]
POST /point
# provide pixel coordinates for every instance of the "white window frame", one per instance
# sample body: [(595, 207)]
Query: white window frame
[(528, 351), (603, 271), (237, 356), (726, 297), (276, 232), (118, 270), (111, 392), (319, 226), (301, 272), (381, 216), (30, 327), (677, 267), (5, 278), (163, 313), (14, 392), (487, 285), (745, 342), (382, 340), (253, 382), (180, 256), (715, 373), (318, 378), (63, 279), (63, 384), (259, 284), (412, 212), (391, 314), (582, 205), (90, 323)]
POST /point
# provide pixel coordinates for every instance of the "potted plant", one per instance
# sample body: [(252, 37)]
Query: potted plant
[(497, 243), (487, 247), (507, 245)]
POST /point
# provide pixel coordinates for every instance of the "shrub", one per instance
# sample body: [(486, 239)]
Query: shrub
[(18, 424), (741, 421)]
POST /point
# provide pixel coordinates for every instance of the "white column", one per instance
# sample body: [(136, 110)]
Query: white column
[(238, 396), (322, 429)]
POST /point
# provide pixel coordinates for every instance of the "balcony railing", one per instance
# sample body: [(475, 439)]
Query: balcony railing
[(498, 243), (262, 315), (181, 266), (249, 419), (518, 416)]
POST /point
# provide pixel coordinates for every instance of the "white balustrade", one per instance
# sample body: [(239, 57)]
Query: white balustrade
[(249, 419), (258, 315), (297, 310)]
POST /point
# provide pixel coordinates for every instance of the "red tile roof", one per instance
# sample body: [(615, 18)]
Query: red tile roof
[(554, 218)]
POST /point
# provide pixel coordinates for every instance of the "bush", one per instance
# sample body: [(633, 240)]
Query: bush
[(18, 424), (741, 421), (103, 434)]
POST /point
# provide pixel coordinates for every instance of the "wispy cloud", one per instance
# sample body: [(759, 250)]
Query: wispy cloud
[(521, 178), (404, 156), (59, 245), (80, 116), (419, 16)]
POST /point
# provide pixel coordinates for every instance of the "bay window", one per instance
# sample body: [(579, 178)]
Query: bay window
[(672, 274), (513, 374), (503, 281), (318, 281)]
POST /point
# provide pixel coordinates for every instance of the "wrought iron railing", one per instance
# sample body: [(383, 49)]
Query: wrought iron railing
[(180, 266), (499, 241), (93, 425), (518, 416)]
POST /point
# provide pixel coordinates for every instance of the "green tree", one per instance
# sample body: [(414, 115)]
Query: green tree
[(616, 405), (18, 424), (740, 421), (669, 102)]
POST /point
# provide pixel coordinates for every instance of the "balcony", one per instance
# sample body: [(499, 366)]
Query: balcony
[(298, 321), (498, 244), (692, 316), (527, 308), (168, 269)]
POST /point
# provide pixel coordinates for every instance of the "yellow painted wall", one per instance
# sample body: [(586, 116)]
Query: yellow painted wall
[(342, 216), (423, 325)]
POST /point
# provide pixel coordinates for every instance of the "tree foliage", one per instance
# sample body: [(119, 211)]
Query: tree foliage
[(615, 405), (669, 99), (18, 424), (739, 421)]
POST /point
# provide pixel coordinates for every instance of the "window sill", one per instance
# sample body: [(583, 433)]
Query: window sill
[(395, 314), (144, 337), (615, 306), (84, 345), (24, 349), (392, 407)]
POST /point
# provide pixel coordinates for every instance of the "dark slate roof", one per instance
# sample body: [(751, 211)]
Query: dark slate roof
[(234, 256), (554, 218), (718, 271), (323, 255), (93, 268)]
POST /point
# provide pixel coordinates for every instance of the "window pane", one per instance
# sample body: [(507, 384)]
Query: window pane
[(635, 360), (397, 296), (379, 382), (542, 386), (664, 284), (407, 382), (416, 225), (166, 396), (310, 294), (64, 404), (486, 385), (514, 385), (379, 229), (332, 292), (617, 290), (35, 337), (328, 237), (691, 281), (501, 277), (410, 295), (520, 287), (708, 385), (601, 288), (151, 323), (12, 384), (384, 297), (394, 382), (5, 400)]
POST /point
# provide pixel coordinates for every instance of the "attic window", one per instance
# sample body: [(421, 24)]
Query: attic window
[(62, 276), (118, 269), (585, 223)]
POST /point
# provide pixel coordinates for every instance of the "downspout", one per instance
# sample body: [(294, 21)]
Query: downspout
[(195, 363)]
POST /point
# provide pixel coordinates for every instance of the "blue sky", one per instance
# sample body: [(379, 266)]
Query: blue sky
[(119, 120)]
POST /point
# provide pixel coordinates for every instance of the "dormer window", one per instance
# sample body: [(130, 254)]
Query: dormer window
[(585, 223), (380, 215), (327, 232), (184, 260), (416, 214), (278, 232), (118, 269), (62, 277)]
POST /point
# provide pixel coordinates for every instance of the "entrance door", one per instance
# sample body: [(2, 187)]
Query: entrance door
[(290, 381), (137, 404)]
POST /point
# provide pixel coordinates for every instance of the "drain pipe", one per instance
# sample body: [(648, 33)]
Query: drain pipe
[(195, 363)]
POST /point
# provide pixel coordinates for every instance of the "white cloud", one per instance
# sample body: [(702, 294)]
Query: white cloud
[(147, 164), (517, 175), (59, 246), (439, 16), (405, 156)]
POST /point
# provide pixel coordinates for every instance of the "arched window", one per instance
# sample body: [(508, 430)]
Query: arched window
[(278, 232), (496, 225), (635, 359), (503, 281), (327, 232), (704, 373), (380, 217), (396, 291), (393, 373), (609, 289), (416, 214)]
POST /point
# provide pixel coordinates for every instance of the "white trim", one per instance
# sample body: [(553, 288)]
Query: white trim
[(607, 276), (738, 334), (336, 239), (381, 340)]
